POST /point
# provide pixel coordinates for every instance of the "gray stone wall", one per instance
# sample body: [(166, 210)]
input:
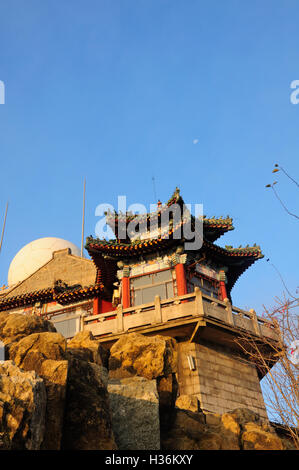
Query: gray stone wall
[(221, 381)]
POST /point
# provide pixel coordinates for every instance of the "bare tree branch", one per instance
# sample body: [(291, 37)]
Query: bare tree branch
[(282, 169), (283, 205), (272, 358)]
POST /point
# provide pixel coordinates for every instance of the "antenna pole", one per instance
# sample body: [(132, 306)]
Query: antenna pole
[(83, 218), (154, 185), (3, 228)]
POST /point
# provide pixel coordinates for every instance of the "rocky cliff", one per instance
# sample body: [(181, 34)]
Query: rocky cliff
[(78, 396)]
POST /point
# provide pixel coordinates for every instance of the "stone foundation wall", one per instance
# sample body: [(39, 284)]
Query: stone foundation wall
[(221, 380)]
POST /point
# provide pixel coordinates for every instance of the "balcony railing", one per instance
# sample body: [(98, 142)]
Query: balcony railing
[(194, 305)]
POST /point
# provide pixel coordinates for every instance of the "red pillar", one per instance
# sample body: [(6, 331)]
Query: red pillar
[(126, 292), (223, 292), (181, 279), (96, 306)]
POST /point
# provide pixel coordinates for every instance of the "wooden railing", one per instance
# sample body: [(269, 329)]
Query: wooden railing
[(191, 305)]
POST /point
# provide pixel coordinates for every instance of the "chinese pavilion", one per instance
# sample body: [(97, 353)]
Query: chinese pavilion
[(153, 285), (134, 270)]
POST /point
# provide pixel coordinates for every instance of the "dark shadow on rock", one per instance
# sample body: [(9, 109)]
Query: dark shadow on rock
[(87, 419), (134, 405)]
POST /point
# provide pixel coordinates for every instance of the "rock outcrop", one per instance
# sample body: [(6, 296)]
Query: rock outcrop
[(75, 396), (74, 380), (135, 413), (30, 352), (87, 421), (16, 326), (148, 357), (256, 438), (45, 353), (153, 358), (241, 429), (187, 402), (55, 375), (84, 346), (22, 408)]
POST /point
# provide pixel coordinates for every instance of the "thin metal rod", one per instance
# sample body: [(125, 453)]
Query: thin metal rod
[(83, 219), (154, 185), (3, 228)]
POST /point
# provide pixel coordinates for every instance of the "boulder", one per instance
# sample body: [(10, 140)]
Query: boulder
[(87, 419), (84, 346), (76, 411), (22, 408), (244, 415), (185, 428), (179, 443), (29, 353), (45, 354), (255, 438), (212, 419), (134, 406), (210, 441), (189, 423), (16, 326), (230, 431), (167, 389), (54, 374), (187, 402), (230, 424), (245, 429), (148, 357)]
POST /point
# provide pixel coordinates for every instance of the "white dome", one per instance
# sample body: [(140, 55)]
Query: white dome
[(34, 255)]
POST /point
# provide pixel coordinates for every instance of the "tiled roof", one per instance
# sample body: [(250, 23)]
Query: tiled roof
[(50, 294), (237, 260), (29, 298), (116, 249), (213, 227)]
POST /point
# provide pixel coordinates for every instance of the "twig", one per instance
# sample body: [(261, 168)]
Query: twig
[(283, 205)]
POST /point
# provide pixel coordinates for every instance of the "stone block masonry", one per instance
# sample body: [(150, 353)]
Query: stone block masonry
[(63, 266), (222, 380)]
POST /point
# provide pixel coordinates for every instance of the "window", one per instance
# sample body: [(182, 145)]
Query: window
[(145, 288), (68, 327), (208, 286)]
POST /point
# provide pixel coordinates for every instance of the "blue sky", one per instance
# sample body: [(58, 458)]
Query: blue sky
[(116, 91)]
